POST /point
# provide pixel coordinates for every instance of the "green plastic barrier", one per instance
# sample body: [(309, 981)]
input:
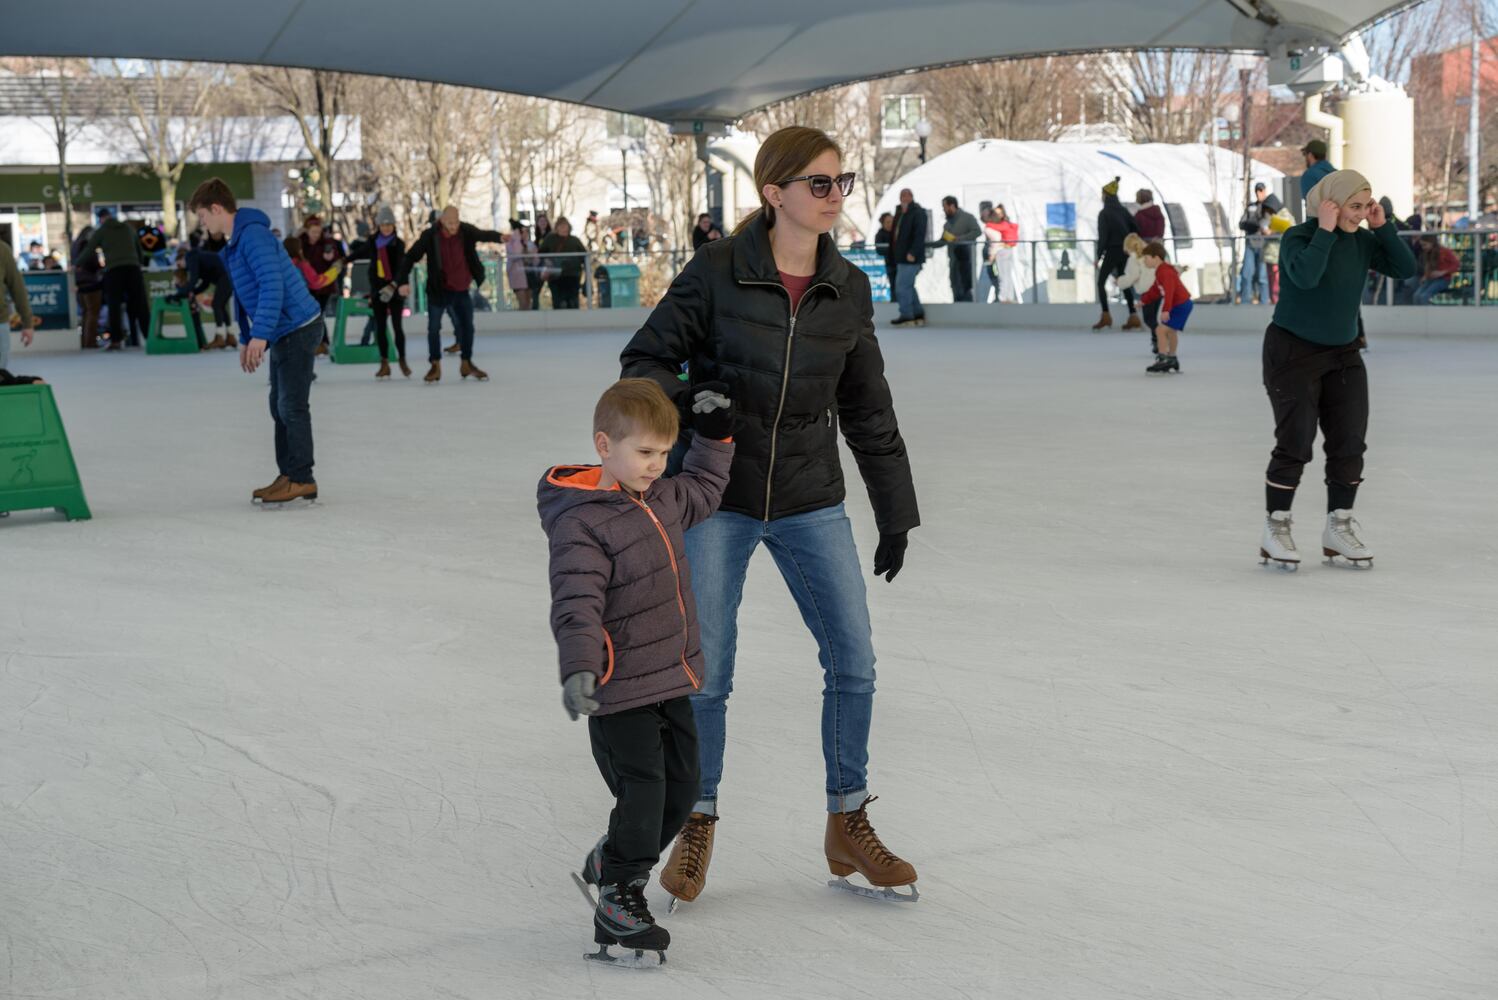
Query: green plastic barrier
[(344, 353), (157, 343), (36, 462)]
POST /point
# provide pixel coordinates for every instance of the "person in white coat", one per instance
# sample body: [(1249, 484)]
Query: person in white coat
[(1141, 277)]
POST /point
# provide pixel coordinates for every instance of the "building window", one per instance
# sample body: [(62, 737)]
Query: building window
[(618, 123), (901, 112)]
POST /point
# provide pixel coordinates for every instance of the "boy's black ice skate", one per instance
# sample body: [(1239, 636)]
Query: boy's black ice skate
[(622, 917), (1164, 363)]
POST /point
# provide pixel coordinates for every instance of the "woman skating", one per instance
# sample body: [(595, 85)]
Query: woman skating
[(778, 314), (385, 252), (1313, 370)]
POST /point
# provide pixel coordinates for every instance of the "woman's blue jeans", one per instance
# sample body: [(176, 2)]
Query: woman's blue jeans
[(819, 561)]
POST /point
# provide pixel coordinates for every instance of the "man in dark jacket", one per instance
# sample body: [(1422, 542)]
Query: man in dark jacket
[(961, 234), (124, 283), (453, 267), (1113, 223), (908, 250)]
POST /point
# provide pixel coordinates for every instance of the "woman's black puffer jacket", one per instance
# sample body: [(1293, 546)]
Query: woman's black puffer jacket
[(794, 378)]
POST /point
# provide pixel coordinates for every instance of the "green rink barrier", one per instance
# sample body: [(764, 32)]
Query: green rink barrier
[(36, 462), (157, 342), (344, 353)]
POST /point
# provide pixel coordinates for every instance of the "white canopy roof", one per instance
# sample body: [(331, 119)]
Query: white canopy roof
[(676, 60)]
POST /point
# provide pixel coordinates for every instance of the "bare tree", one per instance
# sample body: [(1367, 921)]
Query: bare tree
[(63, 97), (672, 173), (1168, 96), (447, 125), (1012, 99), (316, 99), (168, 106)]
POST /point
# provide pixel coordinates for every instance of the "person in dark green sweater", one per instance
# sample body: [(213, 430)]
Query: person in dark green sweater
[(1313, 371)]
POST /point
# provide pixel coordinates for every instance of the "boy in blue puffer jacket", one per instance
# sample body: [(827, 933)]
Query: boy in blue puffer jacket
[(277, 316)]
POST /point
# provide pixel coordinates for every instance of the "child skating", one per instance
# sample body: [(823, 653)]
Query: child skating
[(625, 622), (1175, 307)]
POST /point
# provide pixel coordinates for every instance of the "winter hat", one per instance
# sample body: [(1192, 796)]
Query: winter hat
[(1337, 186), (385, 217), (1316, 148), (1111, 187)]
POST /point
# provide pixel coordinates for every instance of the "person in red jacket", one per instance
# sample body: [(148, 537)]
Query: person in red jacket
[(1175, 307)]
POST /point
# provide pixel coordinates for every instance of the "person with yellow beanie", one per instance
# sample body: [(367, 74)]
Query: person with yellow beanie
[(1114, 223), (1313, 371)]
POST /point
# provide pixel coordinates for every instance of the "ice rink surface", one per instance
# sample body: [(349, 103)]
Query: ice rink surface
[(321, 755)]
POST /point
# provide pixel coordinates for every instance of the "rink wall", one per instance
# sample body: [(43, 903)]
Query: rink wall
[(1409, 321)]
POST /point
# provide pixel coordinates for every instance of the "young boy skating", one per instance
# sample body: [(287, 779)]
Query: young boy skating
[(626, 628), (1175, 307)]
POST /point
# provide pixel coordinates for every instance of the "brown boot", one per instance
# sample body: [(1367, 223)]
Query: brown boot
[(405, 368), (469, 368), (434, 373), (216, 344), (258, 495), (384, 371), (288, 492), (686, 870), (852, 845), (322, 350), (452, 349), (1134, 322), (1103, 323)]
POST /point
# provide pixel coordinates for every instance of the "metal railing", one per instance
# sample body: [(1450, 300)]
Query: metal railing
[(1046, 271)]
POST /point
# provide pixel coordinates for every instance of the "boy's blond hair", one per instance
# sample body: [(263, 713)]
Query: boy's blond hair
[(1134, 244), (636, 406)]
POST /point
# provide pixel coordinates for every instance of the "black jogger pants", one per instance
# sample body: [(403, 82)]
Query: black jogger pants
[(648, 758), (1313, 385)]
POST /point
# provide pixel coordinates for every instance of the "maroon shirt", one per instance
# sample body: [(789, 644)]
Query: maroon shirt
[(797, 285), (455, 276)]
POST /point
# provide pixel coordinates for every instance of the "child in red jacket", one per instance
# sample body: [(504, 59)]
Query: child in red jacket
[(1175, 307)]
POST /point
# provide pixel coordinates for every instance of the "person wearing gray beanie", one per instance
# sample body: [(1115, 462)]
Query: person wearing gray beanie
[(385, 252)]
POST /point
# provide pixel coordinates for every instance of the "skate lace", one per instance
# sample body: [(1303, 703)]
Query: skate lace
[(1280, 530), (1345, 528), (861, 832), (631, 899), (694, 836)]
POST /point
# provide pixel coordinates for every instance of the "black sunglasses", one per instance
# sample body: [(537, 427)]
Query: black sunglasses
[(821, 184)]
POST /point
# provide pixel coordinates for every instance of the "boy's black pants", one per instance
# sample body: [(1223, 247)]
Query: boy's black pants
[(1311, 384), (648, 757)]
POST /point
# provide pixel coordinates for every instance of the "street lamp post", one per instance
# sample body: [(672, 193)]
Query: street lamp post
[(923, 132), (624, 144)]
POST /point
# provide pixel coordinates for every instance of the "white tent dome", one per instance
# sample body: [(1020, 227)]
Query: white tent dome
[(1053, 190)]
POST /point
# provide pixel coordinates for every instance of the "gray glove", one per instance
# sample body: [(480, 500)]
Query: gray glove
[(577, 694)]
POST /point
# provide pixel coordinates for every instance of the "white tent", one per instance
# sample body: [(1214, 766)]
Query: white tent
[(670, 59), (1053, 190)]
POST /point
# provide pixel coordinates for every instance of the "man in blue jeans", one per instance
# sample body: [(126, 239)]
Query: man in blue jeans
[(453, 267), (908, 251), (278, 318)]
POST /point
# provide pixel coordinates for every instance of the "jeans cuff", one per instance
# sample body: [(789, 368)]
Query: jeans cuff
[(846, 801), (706, 806)]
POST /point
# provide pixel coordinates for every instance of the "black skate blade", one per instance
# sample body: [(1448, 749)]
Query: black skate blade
[(628, 958), (583, 888), (885, 894)]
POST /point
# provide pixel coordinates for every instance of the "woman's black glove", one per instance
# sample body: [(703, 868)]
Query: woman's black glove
[(712, 410), (890, 556)]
